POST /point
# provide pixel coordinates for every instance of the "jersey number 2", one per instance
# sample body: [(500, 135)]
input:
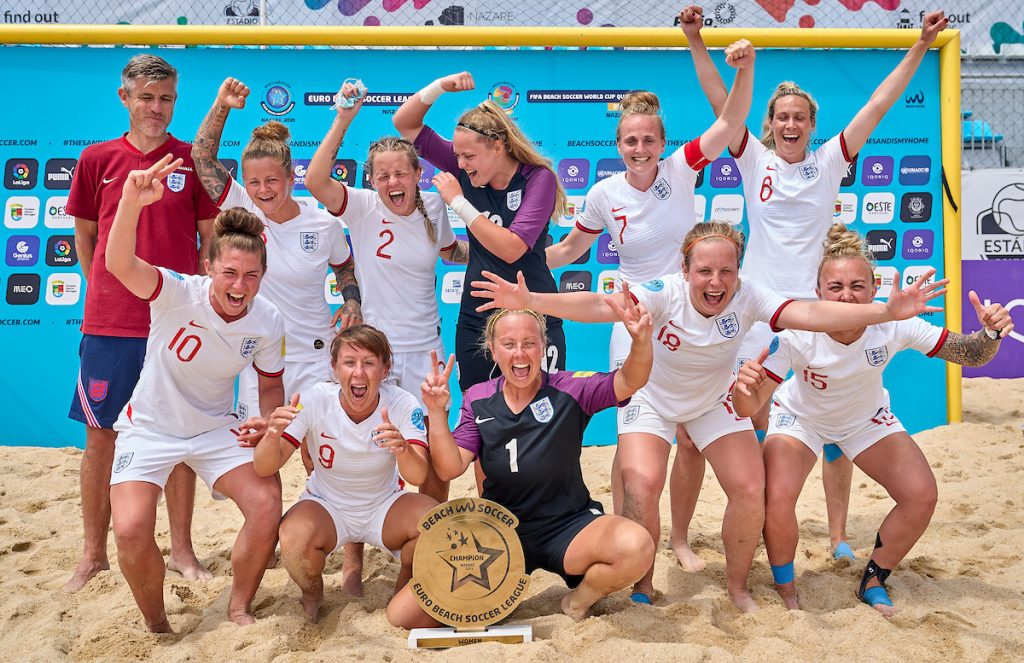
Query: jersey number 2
[(388, 237)]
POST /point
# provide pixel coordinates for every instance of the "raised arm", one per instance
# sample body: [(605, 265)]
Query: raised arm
[(753, 388), (886, 94), (729, 127), (636, 369), (411, 458), (141, 188), (331, 193), (449, 459), (212, 174), (579, 306), (274, 450), (979, 348), (570, 248), (408, 119)]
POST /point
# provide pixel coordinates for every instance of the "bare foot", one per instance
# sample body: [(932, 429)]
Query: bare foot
[(577, 602), (83, 574), (352, 580), (788, 594), (242, 617), (162, 626), (688, 559), (311, 602), (743, 601), (190, 568), (888, 611)]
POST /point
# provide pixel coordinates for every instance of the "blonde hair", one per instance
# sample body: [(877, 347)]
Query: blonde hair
[(785, 89), (842, 243), (492, 324), (270, 141), (396, 144), (238, 228), (712, 231), (363, 337), (639, 102), (489, 122)]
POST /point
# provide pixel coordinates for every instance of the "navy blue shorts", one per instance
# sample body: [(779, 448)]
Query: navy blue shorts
[(544, 548), (109, 370)]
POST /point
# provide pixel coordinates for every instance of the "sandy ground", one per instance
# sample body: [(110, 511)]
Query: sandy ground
[(961, 590)]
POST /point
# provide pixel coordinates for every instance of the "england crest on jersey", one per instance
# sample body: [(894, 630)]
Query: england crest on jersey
[(176, 182), (123, 461), (877, 356), (309, 241), (784, 420), (728, 326), (249, 346), (513, 199), (631, 413), (542, 410), (809, 172), (661, 189)]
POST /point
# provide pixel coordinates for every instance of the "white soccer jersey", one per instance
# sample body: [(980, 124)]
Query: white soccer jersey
[(838, 387), (647, 227), (193, 357), (299, 252), (395, 266), (350, 471), (790, 208), (694, 356)]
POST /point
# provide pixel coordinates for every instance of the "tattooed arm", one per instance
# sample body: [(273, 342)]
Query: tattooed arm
[(349, 286), (978, 348), (212, 174), (458, 253)]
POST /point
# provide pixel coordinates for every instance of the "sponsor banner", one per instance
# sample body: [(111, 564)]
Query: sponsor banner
[(999, 281), (892, 194)]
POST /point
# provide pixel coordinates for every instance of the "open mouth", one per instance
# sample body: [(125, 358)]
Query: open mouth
[(639, 161), (521, 371), (237, 301), (397, 197), (791, 139), (714, 298), (358, 391)]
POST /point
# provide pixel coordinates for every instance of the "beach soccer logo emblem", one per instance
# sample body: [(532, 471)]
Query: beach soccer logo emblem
[(505, 96), (277, 99), (309, 241), (98, 390), (728, 326), (176, 182), (123, 461), (249, 346), (542, 410), (877, 356), (661, 189), (513, 199)]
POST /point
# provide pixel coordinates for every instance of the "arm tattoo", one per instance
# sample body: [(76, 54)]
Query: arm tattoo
[(346, 276), (976, 349), (211, 172), (459, 252)]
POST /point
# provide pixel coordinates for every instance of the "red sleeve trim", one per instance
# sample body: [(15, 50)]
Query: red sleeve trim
[(159, 285), (775, 318), (842, 146), (344, 204), (941, 342), (587, 230), (451, 246), (268, 375), (635, 300), (224, 193), (743, 145), (291, 440), (694, 157), (773, 376), (419, 442), (347, 261)]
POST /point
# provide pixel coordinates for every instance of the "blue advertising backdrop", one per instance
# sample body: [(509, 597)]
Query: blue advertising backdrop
[(565, 100)]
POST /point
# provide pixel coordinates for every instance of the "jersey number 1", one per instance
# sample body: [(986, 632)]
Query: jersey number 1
[(513, 454)]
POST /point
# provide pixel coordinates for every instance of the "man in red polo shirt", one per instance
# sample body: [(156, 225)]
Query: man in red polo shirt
[(116, 323)]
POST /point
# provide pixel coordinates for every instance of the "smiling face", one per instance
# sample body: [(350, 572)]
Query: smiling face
[(395, 180), (270, 187), (850, 280), (641, 144), (517, 346), (712, 275), (360, 373), (235, 279), (480, 157), (792, 127), (150, 105)]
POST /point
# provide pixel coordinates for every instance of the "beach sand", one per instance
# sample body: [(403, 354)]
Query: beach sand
[(960, 590)]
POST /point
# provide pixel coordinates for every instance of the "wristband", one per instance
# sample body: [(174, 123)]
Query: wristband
[(464, 209), (991, 333), (429, 94), (351, 292)]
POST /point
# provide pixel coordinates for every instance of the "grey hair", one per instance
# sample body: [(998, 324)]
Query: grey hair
[(148, 67)]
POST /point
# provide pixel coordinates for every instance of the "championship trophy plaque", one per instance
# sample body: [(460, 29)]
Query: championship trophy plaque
[(468, 572)]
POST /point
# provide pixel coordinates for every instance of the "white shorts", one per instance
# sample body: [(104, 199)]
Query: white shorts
[(142, 455), (758, 338), (640, 417), (299, 376), (618, 346), (783, 422), (357, 526), (410, 369)]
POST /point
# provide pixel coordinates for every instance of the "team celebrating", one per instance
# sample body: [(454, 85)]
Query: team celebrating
[(752, 354)]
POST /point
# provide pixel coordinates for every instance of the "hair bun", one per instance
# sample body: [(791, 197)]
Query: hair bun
[(272, 130)]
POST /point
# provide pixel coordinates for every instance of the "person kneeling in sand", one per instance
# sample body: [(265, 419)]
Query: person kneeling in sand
[(205, 330), (526, 428), (362, 435)]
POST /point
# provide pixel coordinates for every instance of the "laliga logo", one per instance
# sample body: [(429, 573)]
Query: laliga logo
[(505, 96)]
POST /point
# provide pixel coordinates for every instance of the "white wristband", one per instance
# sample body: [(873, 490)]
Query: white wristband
[(464, 209), (993, 334), (429, 94)]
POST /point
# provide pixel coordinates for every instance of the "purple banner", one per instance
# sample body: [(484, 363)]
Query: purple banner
[(997, 281)]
